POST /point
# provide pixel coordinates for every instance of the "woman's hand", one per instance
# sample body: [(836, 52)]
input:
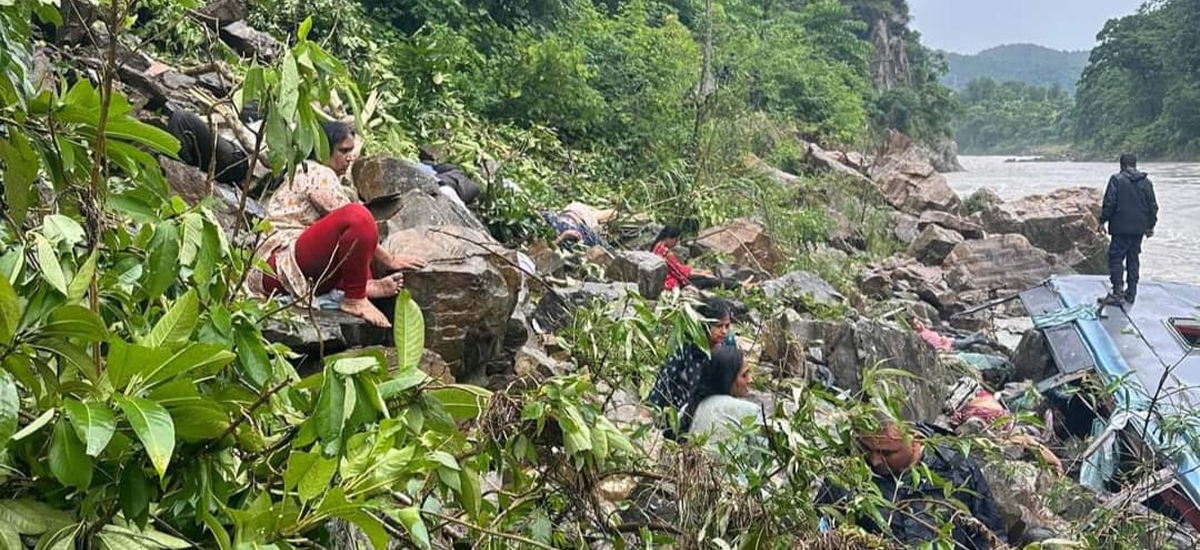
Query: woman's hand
[(568, 235), (400, 262)]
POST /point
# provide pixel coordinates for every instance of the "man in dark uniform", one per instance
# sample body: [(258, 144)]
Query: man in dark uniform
[(1131, 212), (923, 506)]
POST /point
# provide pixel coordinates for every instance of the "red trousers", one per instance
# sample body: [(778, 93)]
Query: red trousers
[(335, 252)]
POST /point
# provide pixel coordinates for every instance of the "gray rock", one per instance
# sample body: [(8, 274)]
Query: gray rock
[(189, 183), (225, 11), (251, 42), (966, 227), (905, 226), (417, 209), (467, 293), (903, 173), (380, 176), (1006, 262), (646, 269), (1064, 223), (898, 275), (316, 331), (797, 287), (556, 309), (944, 156), (833, 161), (933, 244), (533, 362), (982, 198), (1032, 357), (744, 240)]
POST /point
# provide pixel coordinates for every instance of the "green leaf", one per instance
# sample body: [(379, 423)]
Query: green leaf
[(94, 423), (68, 460), (289, 88), (208, 358), (50, 268), (83, 279), (411, 519), (198, 419), (318, 478), (252, 354), (10, 407), (305, 26), (472, 493), (135, 494), (403, 380), (178, 323), (30, 517), (208, 255), (126, 360), (409, 329), (462, 401), (10, 311), (12, 262), (350, 366), (76, 322), (116, 537), (9, 539), (21, 170), (153, 426), (193, 238), (60, 229), (330, 414), (37, 424), (163, 266)]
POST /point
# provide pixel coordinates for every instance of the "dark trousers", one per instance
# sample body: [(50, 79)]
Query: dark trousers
[(196, 148), (1123, 262)]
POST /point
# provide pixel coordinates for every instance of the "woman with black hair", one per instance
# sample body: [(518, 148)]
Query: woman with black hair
[(677, 379), (324, 238), (719, 408), (679, 274)]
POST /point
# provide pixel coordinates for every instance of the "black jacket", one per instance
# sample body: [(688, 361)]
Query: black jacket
[(1130, 207)]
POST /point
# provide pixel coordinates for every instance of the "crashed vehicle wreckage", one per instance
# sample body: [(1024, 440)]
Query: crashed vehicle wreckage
[(1148, 356)]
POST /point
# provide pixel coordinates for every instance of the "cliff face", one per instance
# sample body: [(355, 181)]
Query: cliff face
[(889, 62)]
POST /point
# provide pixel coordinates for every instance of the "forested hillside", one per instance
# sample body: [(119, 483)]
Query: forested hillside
[(1026, 63), (1141, 89), (1013, 118)]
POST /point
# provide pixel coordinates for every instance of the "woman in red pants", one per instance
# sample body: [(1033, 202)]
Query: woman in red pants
[(323, 239)]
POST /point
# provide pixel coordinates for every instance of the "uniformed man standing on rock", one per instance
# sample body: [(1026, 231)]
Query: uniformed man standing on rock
[(1131, 212)]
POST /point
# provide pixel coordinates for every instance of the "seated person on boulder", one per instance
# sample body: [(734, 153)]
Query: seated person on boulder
[(579, 222), (322, 237), (678, 378), (922, 507), (719, 407), (679, 274)]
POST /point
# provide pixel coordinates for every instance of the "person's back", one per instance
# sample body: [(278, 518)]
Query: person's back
[(1131, 211), (720, 416)]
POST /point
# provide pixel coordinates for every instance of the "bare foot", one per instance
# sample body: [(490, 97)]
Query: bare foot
[(366, 310), (386, 287)]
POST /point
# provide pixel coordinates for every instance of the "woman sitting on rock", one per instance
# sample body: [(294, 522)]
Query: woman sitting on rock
[(677, 380), (323, 239), (679, 274), (719, 408)]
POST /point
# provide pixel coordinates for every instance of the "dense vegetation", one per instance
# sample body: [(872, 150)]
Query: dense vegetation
[(1012, 118), (1026, 63), (1141, 89)]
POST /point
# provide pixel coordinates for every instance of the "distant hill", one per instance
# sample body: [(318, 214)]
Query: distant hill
[(1027, 63)]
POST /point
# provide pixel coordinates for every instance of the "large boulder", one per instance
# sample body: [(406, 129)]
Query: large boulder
[(744, 240), (903, 173), (1007, 262), (837, 163), (906, 227), (801, 289), (318, 331), (251, 42), (646, 269), (897, 276), (944, 156), (1032, 359), (192, 185), (933, 244), (556, 309), (417, 208), (1064, 223), (381, 176), (467, 293), (966, 227)]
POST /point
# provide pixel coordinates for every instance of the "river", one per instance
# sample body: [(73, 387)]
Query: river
[(1171, 255)]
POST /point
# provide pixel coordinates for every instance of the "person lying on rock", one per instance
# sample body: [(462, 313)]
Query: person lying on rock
[(679, 274), (323, 239), (580, 223), (196, 146), (946, 344), (895, 452), (679, 378), (719, 408)]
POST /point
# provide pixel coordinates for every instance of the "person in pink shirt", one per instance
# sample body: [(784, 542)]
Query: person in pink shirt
[(943, 343)]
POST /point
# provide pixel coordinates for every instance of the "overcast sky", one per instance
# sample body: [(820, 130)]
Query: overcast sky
[(967, 26)]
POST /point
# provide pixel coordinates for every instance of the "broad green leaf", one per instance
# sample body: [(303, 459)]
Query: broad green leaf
[(50, 268), (60, 229), (116, 537), (471, 491), (198, 419), (135, 494), (370, 526), (163, 266), (350, 366), (30, 517), (193, 237), (318, 478), (411, 519), (153, 426), (21, 169), (330, 414), (76, 322), (68, 459), (289, 88), (599, 443), (94, 423), (305, 27), (10, 311), (252, 354), (9, 539), (136, 131), (206, 358), (409, 329), (11, 263), (178, 323), (37, 424), (83, 279), (125, 360), (403, 380), (208, 255), (10, 407), (297, 467), (462, 401)]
